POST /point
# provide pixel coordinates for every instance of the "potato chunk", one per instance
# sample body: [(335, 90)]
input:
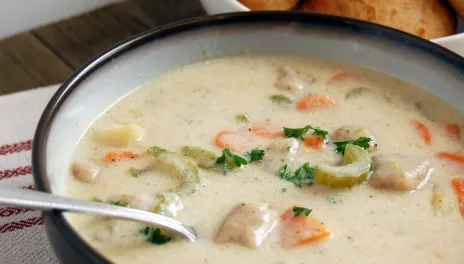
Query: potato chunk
[(399, 172), (84, 171), (248, 225), (353, 133), (120, 136), (291, 80)]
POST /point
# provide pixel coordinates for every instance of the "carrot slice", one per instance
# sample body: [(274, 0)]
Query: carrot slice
[(454, 157), (423, 131), (315, 142), (315, 101), (453, 131), (235, 141), (120, 155), (339, 77), (264, 131), (458, 187), (300, 230)]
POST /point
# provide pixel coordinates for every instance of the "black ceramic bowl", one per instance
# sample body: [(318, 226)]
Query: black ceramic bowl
[(121, 69)]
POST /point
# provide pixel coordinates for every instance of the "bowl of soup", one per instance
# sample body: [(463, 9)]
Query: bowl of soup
[(279, 137)]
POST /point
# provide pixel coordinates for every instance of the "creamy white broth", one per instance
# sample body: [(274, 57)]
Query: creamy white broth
[(191, 105)]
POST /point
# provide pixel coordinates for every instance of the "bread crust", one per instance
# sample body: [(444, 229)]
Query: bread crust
[(428, 19), (458, 6), (269, 4)]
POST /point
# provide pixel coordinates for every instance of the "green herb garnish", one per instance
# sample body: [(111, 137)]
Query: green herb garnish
[(299, 133), (301, 211), (303, 175), (230, 160), (145, 231), (361, 142), (255, 155), (281, 99), (155, 236), (283, 190), (118, 203), (134, 172), (96, 200), (243, 118), (284, 172), (334, 200)]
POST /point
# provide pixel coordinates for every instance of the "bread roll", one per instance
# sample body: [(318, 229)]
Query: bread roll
[(269, 4), (428, 19), (458, 7)]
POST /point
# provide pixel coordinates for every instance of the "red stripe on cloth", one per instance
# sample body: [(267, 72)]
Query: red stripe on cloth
[(5, 174), (16, 147), (9, 211), (18, 225)]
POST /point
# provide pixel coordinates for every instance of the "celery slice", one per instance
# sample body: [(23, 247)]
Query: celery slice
[(204, 158), (357, 167)]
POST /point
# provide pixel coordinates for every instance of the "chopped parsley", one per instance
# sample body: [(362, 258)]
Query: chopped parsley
[(334, 200), (284, 172), (281, 99), (362, 142), (155, 236), (299, 133), (255, 155), (118, 203), (243, 118), (283, 190), (96, 200), (304, 175), (134, 172), (230, 160), (301, 211)]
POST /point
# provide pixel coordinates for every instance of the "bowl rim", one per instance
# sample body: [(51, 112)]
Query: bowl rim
[(258, 17)]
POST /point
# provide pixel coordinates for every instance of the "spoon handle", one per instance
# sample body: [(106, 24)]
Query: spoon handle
[(48, 202)]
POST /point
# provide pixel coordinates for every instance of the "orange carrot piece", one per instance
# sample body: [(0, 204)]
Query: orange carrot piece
[(315, 142), (315, 101), (120, 155), (453, 131), (454, 157), (235, 141), (300, 230), (339, 77), (458, 187), (423, 131), (264, 131)]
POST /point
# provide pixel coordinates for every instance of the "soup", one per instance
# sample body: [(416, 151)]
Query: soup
[(276, 160)]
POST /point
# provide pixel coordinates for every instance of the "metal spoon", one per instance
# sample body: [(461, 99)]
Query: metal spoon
[(48, 202)]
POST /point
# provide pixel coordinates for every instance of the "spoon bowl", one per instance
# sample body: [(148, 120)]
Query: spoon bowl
[(48, 202)]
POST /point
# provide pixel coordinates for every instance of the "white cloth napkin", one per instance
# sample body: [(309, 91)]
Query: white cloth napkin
[(22, 235)]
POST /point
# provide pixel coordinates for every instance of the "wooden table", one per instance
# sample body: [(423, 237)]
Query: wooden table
[(49, 54)]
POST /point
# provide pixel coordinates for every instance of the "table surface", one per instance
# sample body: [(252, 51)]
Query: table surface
[(51, 53)]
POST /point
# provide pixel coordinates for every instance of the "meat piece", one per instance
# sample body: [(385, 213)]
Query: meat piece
[(269, 4), (428, 19), (247, 225), (353, 133), (279, 153), (399, 172), (84, 171), (291, 80)]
